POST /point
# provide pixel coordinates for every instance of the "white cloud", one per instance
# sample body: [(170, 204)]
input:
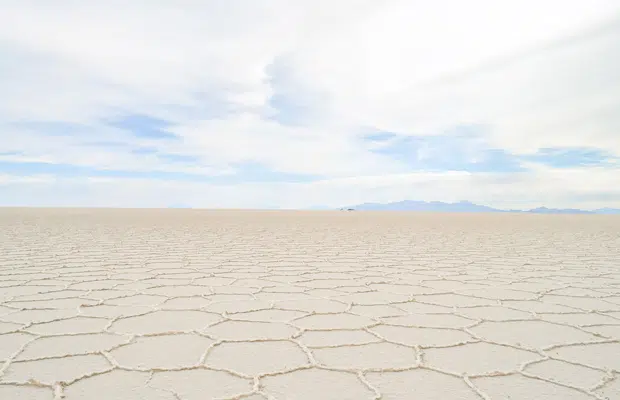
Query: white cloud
[(536, 74), (546, 186), (7, 179)]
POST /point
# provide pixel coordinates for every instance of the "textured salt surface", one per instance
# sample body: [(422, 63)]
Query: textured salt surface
[(184, 305)]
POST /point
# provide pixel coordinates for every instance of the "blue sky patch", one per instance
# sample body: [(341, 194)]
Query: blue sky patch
[(143, 126), (107, 143), (567, 157), (178, 158), (244, 173), (72, 171), (50, 128), (380, 136), (459, 150)]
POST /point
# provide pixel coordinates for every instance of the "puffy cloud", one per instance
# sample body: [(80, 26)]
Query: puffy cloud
[(297, 88)]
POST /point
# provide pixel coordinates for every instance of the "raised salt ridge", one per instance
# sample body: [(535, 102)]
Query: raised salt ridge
[(188, 305)]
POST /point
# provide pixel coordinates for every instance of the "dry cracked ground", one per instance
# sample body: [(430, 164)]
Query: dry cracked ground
[(189, 304)]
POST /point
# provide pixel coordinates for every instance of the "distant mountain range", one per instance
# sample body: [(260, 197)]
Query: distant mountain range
[(466, 206)]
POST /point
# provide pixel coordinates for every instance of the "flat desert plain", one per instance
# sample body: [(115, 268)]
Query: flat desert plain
[(195, 304)]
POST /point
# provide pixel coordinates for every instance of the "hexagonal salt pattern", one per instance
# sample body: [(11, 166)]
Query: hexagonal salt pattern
[(200, 384), (310, 384), (420, 384), (478, 358), (162, 352), (257, 358), (187, 304)]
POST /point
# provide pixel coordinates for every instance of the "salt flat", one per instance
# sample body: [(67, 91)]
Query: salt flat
[(190, 304)]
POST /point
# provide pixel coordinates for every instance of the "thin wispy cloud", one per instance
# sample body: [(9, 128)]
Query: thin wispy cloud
[(295, 104)]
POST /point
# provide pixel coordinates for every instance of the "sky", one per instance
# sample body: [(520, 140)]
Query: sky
[(309, 103)]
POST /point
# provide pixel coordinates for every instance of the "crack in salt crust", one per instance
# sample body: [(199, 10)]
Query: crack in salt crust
[(184, 304)]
